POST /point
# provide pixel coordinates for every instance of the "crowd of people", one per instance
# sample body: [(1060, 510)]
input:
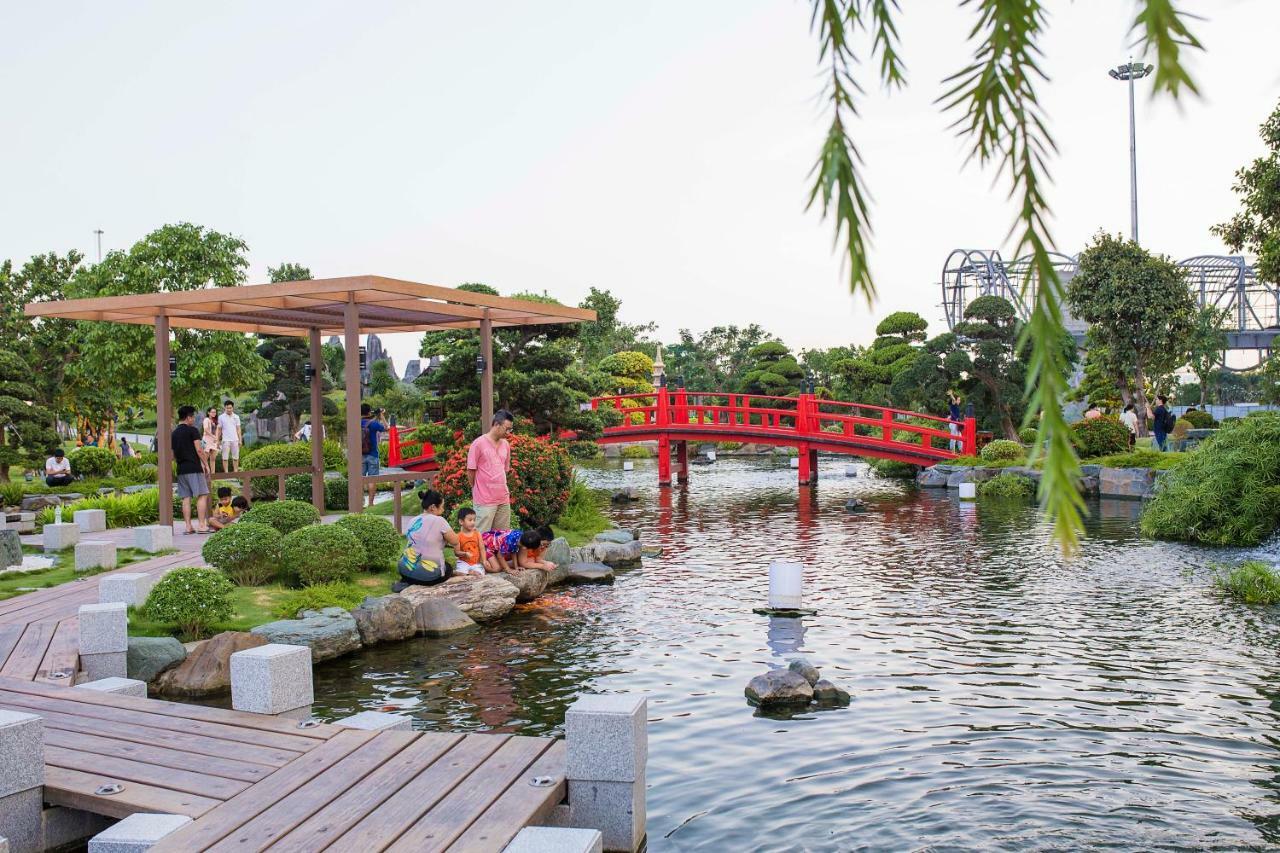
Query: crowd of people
[(1161, 420)]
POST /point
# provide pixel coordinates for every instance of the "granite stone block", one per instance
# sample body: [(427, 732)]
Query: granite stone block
[(21, 752), (104, 628), (60, 537), (115, 684), (375, 720), (153, 538), (129, 588), (64, 827), (551, 839), (20, 820), (136, 833), (616, 809), (606, 738), (271, 679), (104, 665), (92, 554), (90, 520)]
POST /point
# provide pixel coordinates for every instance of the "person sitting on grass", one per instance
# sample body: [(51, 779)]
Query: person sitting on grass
[(469, 550), (57, 469), (514, 550), (422, 560), (228, 510)]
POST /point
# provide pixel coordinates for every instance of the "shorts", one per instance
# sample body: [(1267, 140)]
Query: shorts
[(231, 449), (493, 517), (369, 465), (192, 485), (465, 568)]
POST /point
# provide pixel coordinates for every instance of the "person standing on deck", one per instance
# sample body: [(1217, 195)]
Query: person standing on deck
[(230, 435), (187, 453), (488, 461)]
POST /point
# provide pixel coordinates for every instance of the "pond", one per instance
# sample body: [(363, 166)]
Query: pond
[(1002, 695)]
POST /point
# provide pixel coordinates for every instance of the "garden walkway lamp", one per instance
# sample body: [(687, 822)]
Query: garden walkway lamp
[(1128, 73)]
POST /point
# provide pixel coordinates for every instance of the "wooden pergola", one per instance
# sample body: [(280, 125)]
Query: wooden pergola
[(348, 306)]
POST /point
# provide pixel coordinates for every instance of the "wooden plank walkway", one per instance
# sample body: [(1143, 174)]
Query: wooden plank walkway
[(39, 629), (254, 782)]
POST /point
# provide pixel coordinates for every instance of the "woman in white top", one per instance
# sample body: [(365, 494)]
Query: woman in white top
[(1130, 419)]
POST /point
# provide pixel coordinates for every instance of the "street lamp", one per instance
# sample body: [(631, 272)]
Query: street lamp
[(1128, 73)]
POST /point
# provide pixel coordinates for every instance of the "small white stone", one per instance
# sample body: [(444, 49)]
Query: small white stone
[(968, 491), (136, 833), (375, 720)]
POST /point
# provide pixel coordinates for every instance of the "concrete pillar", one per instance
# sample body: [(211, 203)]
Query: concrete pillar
[(104, 640), (22, 781), (682, 461), (137, 833), (607, 750), (664, 461), (351, 378), (316, 352), (554, 839), (272, 679), (376, 721)]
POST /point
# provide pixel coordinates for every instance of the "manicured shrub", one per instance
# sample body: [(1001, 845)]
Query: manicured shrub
[(541, 473), (1099, 436), (892, 469), (636, 451), (91, 461), (378, 536), (285, 516), (585, 450), (1027, 435), (1007, 487), (321, 553), (318, 597), (246, 552), (1199, 419), (193, 599), (1225, 493), (297, 487), (1251, 582), (1002, 450), (294, 455), (335, 493)]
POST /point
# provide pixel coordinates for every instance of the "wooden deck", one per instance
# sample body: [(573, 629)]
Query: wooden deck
[(253, 782)]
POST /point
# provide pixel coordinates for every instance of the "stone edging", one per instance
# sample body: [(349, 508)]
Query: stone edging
[(1095, 480)]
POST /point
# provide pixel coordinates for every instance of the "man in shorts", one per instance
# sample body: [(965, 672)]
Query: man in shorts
[(229, 431), (187, 453), (372, 429), (488, 461)]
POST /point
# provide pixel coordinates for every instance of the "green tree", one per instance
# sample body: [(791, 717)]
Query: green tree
[(608, 334), (335, 362), (1269, 381), (868, 376), (380, 378), (714, 360), (627, 372), (1207, 346), (289, 272), (772, 370), (1140, 306), (121, 357), (26, 432), (1107, 380), (1257, 226), (990, 330), (51, 343), (822, 364)]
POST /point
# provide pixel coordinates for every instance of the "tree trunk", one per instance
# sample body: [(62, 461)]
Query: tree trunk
[(1140, 394), (1006, 420), (1204, 394)]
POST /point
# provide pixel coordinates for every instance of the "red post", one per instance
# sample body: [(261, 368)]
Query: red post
[(970, 437), (663, 401), (664, 461), (887, 417), (682, 461), (813, 467), (682, 407), (805, 460)]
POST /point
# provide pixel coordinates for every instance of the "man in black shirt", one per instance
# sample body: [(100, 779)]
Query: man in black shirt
[(187, 453)]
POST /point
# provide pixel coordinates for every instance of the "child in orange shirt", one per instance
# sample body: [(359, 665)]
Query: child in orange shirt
[(469, 551)]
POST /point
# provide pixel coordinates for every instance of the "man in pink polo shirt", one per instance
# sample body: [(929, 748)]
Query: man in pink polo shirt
[(488, 462)]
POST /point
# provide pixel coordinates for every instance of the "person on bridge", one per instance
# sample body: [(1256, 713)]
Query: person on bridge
[(488, 461), (953, 415)]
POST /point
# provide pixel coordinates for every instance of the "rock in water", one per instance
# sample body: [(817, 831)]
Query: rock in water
[(620, 537), (624, 496), (150, 656), (779, 687), (806, 670), (855, 505), (329, 633), (610, 553), (439, 617), (207, 669), (384, 619), (530, 582), (828, 694), (482, 598), (589, 573), (932, 478), (558, 551)]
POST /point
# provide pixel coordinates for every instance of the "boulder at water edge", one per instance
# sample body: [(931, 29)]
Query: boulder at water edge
[(620, 537), (1136, 483), (805, 670), (828, 694), (384, 619), (588, 573), (150, 656), (439, 617), (530, 582), (933, 478), (558, 551), (610, 553), (329, 633), (624, 496), (482, 598), (207, 669), (779, 687), (10, 549)]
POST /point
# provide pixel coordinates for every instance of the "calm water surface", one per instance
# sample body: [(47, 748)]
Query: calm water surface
[(1003, 697)]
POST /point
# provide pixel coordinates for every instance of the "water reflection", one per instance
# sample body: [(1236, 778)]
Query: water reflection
[(1003, 696)]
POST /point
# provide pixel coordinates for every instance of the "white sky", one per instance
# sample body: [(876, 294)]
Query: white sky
[(658, 149)]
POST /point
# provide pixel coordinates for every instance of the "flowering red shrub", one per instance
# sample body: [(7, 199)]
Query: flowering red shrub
[(541, 474)]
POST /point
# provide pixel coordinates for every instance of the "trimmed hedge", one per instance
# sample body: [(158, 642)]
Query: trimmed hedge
[(285, 516), (378, 536), (194, 599), (1007, 487), (322, 553), (246, 552), (91, 461), (1099, 436), (1002, 449), (294, 455)]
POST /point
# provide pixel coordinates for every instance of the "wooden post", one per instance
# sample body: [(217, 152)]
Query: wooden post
[(396, 505), (317, 422), (351, 374), (164, 424), (486, 379), (279, 487)]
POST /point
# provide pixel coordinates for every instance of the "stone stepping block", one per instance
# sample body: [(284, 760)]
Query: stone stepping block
[(90, 520), (104, 629), (153, 538), (271, 679), (130, 588), (92, 554), (588, 573), (60, 537)]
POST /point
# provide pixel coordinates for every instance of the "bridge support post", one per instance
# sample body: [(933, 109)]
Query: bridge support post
[(808, 465), (682, 461), (664, 461)]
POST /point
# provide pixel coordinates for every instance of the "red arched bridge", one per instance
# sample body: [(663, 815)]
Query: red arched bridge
[(807, 423)]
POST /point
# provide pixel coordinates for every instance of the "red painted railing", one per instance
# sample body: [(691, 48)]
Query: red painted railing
[(421, 457)]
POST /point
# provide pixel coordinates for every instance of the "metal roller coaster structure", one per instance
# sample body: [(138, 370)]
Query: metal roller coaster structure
[(1225, 282)]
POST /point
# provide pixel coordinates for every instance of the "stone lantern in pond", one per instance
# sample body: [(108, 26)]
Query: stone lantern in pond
[(659, 370)]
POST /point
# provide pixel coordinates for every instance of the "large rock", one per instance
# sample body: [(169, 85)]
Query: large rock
[(384, 619), (530, 582), (976, 474), (1134, 483), (207, 669), (619, 537), (439, 617), (805, 670), (829, 694), (588, 573), (329, 633), (558, 551), (779, 687), (609, 553), (624, 496), (10, 549), (150, 656), (482, 598), (1032, 474), (35, 503), (932, 478)]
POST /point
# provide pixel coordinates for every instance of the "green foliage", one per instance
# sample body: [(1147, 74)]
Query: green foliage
[(297, 487), (1207, 346), (378, 537), (292, 455), (91, 461), (892, 469), (1251, 582), (1225, 493), (1199, 419), (335, 493), (25, 425), (1027, 435), (1007, 487), (608, 334), (1100, 436), (585, 450), (381, 379), (285, 516), (131, 510), (907, 325), (716, 359), (194, 599), (287, 390), (636, 451), (289, 272), (10, 494), (1141, 458), (1002, 450), (635, 366), (246, 552), (348, 596), (1257, 226), (539, 481), (321, 553), (772, 370), (582, 513)]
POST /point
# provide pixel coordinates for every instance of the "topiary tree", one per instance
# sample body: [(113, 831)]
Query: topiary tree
[(91, 462), (541, 474), (193, 599), (1199, 419), (1102, 436), (285, 516), (378, 536), (246, 552), (772, 370), (321, 553), (1003, 450)]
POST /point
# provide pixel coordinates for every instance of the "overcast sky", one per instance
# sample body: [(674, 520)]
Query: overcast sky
[(657, 149)]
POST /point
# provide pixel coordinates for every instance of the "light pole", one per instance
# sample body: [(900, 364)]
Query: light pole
[(98, 232), (1130, 72)]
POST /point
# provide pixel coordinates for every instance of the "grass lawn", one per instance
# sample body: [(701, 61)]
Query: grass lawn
[(62, 571)]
